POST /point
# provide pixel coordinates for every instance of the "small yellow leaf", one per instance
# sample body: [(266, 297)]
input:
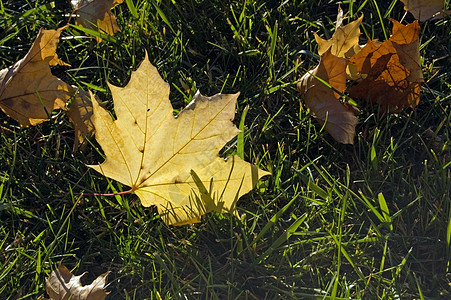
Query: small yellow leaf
[(344, 42), (154, 153)]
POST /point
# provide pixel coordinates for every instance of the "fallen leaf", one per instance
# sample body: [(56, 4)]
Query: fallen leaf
[(424, 10), (340, 17), (392, 70), (154, 153), (28, 90), (405, 39), (322, 100), (80, 115), (63, 285), (344, 42), (97, 15)]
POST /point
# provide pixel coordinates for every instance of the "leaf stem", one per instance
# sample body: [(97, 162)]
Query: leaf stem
[(106, 195)]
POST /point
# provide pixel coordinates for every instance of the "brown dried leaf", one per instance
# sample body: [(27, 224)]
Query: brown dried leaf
[(63, 285), (392, 70), (322, 100), (28, 90), (97, 15), (423, 10)]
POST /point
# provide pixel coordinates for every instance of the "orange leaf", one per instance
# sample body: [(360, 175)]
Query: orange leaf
[(407, 45), (392, 70), (322, 100)]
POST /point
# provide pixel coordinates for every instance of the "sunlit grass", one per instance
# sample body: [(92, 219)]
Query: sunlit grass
[(369, 221)]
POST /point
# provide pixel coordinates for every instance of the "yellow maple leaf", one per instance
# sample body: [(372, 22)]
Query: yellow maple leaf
[(63, 285), (97, 15), (28, 90), (423, 10), (322, 100), (157, 154)]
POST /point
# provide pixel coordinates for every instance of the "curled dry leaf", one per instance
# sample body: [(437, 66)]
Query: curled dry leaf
[(63, 285), (423, 10), (392, 70), (344, 42), (28, 90), (322, 99), (97, 15), (154, 153)]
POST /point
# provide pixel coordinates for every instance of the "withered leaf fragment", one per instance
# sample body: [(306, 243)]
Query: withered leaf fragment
[(28, 90), (159, 155), (392, 70), (424, 10), (97, 15), (322, 100), (63, 285)]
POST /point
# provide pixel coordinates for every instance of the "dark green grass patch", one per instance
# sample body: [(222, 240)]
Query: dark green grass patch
[(369, 221)]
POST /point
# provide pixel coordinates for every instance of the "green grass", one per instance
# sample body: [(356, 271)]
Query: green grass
[(368, 221)]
